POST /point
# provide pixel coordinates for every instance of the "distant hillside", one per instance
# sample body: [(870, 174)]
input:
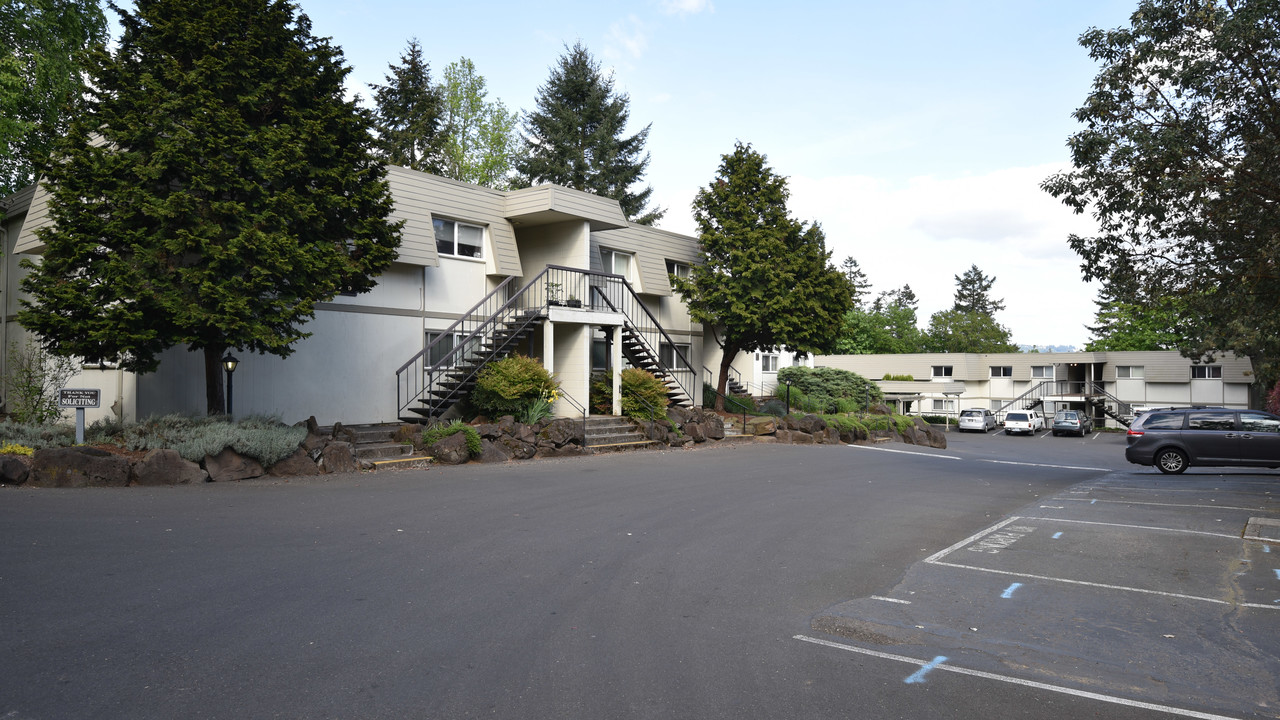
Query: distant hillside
[(1048, 348)]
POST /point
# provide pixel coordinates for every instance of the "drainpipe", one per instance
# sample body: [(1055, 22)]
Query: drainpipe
[(4, 311)]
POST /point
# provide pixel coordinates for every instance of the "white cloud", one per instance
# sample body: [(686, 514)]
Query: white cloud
[(686, 7), (628, 36)]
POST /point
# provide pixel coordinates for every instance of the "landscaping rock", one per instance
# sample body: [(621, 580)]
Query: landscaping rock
[(489, 431), (451, 450), (507, 424), (762, 425), (694, 431), (561, 431), (713, 426), (229, 465), (167, 467), (13, 471), (555, 452), (339, 457), (518, 449), (491, 452), (832, 435), (408, 434), (340, 432), (313, 427), (935, 438), (299, 464), (313, 444), (679, 415), (675, 440), (880, 409), (811, 424), (78, 467)]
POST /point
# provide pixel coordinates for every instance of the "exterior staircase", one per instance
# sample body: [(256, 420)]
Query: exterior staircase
[(607, 433), (373, 443), (498, 324)]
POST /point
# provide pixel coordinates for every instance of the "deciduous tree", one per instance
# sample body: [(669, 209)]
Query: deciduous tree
[(1177, 162), (41, 42), (480, 134), (216, 186), (766, 280), (576, 138)]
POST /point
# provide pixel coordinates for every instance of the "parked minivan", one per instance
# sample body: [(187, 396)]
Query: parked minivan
[(1174, 439)]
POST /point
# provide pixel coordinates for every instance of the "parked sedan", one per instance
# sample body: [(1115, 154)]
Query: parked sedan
[(1073, 422), (1023, 422), (977, 420)]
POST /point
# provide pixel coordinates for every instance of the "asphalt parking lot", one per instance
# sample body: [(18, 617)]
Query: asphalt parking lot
[(1134, 588)]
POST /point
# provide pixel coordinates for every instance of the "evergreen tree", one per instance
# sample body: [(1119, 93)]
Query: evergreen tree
[(575, 137), (857, 280), (41, 42), (216, 186), (1125, 321), (480, 135), (966, 331), (973, 293), (767, 280), (408, 116)]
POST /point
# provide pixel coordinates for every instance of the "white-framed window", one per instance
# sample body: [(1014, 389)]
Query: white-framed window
[(1130, 371), (680, 270), (458, 239), (998, 371), (1206, 372), (940, 405), (617, 263), (442, 349), (997, 404), (769, 363), (667, 354), (942, 371), (797, 361), (1041, 372)]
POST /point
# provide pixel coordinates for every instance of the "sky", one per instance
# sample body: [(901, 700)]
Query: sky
[(915, 132)]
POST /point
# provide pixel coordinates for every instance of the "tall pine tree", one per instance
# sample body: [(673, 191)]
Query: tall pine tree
[(408, 116), (767, 280), (216, 187), (575, 137), (973, 293)]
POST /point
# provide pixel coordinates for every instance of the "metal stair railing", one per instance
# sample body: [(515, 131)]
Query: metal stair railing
[(1123, 410), (1032, 395)]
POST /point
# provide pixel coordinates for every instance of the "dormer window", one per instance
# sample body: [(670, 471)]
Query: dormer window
[(458, 239), (617, 263), (680, 270)]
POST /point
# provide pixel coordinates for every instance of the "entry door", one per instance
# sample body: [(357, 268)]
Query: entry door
[(1211, 435)]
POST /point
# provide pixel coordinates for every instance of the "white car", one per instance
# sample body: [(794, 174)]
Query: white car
[(1028, 422), (977, 420)]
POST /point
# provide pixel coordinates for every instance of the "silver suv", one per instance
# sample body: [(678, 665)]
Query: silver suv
[(1174, 439)]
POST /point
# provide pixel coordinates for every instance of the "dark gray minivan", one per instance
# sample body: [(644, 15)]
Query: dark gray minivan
[(1174, 439)]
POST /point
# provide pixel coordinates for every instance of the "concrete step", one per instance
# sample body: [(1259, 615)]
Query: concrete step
[(383, 450)]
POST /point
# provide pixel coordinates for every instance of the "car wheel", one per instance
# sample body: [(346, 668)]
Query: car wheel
[(1171, 462)]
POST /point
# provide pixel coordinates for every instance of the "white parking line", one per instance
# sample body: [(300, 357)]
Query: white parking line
[(1060, 467), (904, 452), (1015, 681), (1138, 527), (1180, 505)]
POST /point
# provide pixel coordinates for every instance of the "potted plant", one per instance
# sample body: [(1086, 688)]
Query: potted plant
[(573, 302), (553, 293)]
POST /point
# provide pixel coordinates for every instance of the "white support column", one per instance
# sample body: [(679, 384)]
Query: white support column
[(615, 363), (549, 346)]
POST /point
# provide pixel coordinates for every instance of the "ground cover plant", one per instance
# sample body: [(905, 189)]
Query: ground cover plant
[(434, 434)]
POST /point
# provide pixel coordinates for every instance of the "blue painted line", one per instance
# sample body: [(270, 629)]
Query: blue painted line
[(1057, 535), (1266, 548), (918, 676), (1093, 502), (1008, 592), (1278, 574)]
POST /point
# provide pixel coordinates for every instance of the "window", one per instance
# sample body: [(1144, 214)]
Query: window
[(1163, 421), (941, 371), (997, 404), (670, 359), (1259, 423), (944, 405), (797, 361), (1211, 421), (1206, 372), (616, 263), (769, 363), (680, 270), (1001, 371), (458, 239), (1041, 372), (1129, 371), (600, 355), (441, 349)]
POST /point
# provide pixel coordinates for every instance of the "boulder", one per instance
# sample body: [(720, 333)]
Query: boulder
[(935, 438), (313, 444), (832, 436), (551, 451), (489, 431), (167, 467), (340, 432), (492, 452), (507, 424), (339, 457), (230, 465), (561, 431), (312, 426), (518, 449), (450, 450), (880, 409), (408, 434), (299, 464), (713, 426), (679, 415), (13, 471), (525, 434), (694, 431), (811, 424), (799, 437), (762, 425), (78, 467), (675, 440)]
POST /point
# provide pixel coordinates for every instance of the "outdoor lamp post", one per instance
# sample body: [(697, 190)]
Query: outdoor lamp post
[(229, 363), (788, 383)]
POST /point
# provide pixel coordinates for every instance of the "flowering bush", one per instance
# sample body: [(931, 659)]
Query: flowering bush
[(1273, 399), (513, 385)]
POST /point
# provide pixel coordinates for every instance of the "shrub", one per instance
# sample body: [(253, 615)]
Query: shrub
[(1273, 399), (898, 378), (774, 407), (264, 439), (12, 449), (511, 385), (440, 432), (830, 382), (36, 436), (732, 403), (34, 378), (643, 396)]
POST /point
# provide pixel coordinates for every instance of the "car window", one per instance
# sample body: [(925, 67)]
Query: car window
[(1257, 422), (1211, 421), (1064, 415), (971, 413), (1162, 421), (1017, 417)]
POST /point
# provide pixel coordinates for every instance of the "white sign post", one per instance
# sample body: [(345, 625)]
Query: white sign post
[(79, 398)]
